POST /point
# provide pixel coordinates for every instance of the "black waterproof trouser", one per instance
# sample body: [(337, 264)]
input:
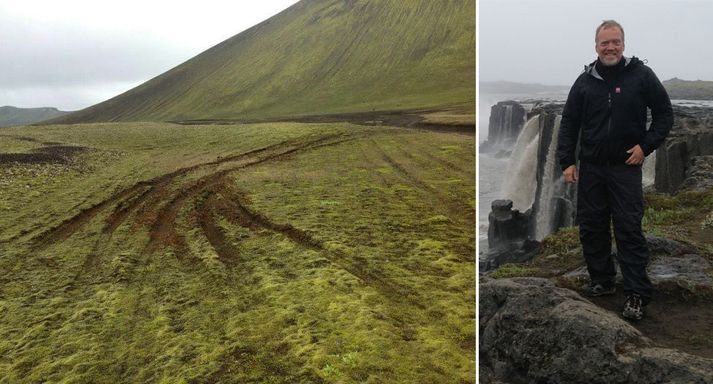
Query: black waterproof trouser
[(606, 194)]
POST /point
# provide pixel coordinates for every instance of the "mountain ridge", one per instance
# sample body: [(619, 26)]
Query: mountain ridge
[(689, 89), (12, 116)]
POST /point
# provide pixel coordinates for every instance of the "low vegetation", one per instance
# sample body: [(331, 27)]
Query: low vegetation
[(685, 217), (271, 253)]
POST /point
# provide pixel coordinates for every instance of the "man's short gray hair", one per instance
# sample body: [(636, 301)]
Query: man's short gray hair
[(609, 24)]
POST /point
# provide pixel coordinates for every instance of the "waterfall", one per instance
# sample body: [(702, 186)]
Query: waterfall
[(533, 180), (552, 186), (520, 181), (649, 170)]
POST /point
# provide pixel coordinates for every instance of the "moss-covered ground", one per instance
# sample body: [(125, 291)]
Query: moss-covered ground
[(265, 253)]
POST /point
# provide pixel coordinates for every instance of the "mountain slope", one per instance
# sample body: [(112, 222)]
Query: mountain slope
[(10, 116), (317, 57)]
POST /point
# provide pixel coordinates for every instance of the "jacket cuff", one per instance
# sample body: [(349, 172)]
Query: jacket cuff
[(565, 165), (646, 148)]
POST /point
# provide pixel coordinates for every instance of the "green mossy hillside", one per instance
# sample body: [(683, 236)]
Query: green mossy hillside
[(317, 57)]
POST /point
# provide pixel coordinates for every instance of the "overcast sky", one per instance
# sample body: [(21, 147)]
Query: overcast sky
[(71, 54), (549, 41)]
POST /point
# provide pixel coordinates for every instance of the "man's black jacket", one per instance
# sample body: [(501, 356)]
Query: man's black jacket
[(612, 116)]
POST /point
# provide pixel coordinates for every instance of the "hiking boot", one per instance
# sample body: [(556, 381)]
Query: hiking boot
[(633, 307), (594, 290)]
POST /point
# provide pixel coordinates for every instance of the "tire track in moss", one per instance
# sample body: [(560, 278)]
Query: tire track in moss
[(91, 261), (425, 151), (140, 201), (208, 209), (401, 171), (66, 228), (163, 231), (234, 201), (125, 200), (455, 208)]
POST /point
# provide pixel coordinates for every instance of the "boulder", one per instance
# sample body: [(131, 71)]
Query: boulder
[(534, 332)]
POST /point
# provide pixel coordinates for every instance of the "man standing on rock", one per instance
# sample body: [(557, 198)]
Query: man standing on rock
[(605, 114)]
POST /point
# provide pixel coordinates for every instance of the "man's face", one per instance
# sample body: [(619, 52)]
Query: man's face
[(610, 45)]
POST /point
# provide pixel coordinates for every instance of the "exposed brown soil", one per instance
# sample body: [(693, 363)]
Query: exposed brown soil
[(406, 119), (672, 321), (155, 204), (208, 208), (53, 154)]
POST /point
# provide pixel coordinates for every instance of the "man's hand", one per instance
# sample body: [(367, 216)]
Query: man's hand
[(570, 174), (637, 156)]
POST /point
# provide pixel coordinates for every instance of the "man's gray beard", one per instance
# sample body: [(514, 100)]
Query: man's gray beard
[(609, 65)]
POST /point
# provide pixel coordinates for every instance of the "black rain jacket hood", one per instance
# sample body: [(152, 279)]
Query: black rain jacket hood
[(609, 118)]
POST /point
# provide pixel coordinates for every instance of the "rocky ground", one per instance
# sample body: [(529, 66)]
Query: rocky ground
[(532, 331), (544, 330)]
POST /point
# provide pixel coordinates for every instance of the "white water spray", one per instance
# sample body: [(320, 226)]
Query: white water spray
[(552, 186), (649, 170), (520, 180)]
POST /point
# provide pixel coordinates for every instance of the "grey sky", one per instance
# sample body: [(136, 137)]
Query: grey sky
[(75, 53), (549, 41)]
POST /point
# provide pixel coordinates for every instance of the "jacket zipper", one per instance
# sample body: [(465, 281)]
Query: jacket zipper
[(609, 128)]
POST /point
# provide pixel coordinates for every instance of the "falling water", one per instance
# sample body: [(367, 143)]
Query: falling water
[(649, 170), (552, 186), (508, 122), (520, 182)]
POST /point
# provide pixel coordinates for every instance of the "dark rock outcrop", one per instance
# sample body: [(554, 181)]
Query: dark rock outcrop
[(506, 121), (691, 137), (508, 236), (699, 176), (507, 225), (534, 332), (667, 247)]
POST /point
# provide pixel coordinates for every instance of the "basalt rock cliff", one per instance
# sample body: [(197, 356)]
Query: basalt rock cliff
[(683, 158)]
